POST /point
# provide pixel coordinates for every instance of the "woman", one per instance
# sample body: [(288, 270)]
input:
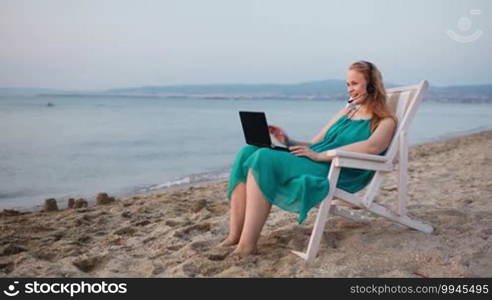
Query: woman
[(297, 181)]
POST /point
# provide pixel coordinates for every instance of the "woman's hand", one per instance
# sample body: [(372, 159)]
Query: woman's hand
[(279, 134), (307, 152)]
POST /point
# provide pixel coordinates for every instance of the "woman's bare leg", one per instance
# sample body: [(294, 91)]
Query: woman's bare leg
[(236, 219), (257, 210)]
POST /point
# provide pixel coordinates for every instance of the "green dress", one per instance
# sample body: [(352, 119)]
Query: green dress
[(297, 184)]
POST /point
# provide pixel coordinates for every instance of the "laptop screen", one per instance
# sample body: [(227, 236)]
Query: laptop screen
[(255, 128)]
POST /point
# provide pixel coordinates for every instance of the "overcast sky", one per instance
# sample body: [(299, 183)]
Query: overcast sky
[(99, 44)]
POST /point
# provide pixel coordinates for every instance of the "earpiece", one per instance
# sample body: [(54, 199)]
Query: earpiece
[(370, 84)]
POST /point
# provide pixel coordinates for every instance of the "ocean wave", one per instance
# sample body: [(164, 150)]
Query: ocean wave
[(216, 175)]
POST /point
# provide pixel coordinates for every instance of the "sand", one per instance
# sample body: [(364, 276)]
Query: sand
[(174, 233)]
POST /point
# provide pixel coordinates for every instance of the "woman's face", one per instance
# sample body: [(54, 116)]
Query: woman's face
[(356, 86)]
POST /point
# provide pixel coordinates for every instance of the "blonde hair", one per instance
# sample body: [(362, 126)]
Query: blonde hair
[(376, 100)]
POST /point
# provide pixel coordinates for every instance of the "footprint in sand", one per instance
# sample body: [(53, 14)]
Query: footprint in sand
[(175, 247), (333, 239), (191, 231), (44, 253), (201, 268), (218, 254), (177, 223), (201, 246), (125, 231), (88, 264), (142, 223), (7, 267), (211, 250), (12, 249)]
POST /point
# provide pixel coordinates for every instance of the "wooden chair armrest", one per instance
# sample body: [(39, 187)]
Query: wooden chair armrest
[(343, 162), (359, 156)]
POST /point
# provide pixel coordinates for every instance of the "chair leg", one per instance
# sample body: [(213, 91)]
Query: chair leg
[(403, 220), (403, 175), (373, 189), (348, 214), (321, 218)]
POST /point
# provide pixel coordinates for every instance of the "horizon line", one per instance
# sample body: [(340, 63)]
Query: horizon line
[(221, 84)]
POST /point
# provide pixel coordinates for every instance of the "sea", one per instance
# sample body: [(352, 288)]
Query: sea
[(77, 146)]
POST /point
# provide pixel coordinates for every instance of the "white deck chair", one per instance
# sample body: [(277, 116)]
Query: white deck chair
[(403, 101)]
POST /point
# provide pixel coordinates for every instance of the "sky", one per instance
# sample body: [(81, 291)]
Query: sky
[(94, 44)]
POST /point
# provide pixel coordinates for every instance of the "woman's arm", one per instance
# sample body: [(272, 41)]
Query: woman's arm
[(290, 142), (282, 137), (375, 144)]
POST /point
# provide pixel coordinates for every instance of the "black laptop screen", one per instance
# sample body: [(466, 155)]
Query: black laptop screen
[(255, 128)]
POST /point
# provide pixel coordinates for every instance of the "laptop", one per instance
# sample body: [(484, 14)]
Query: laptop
[(255, 130)]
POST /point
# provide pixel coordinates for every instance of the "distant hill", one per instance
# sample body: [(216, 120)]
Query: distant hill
[(333, 89), (464, 93), (328, 89), (28, 91), (313, 89), (478, 89)]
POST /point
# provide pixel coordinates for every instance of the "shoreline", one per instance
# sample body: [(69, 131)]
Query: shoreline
[(457, 134), (174, 233), (92, 199)]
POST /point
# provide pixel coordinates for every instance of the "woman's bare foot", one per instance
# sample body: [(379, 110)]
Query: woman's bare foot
[(242, 251), (229, 242)]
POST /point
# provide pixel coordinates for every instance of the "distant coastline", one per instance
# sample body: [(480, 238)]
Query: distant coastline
[(333, 89), (434, 97), (336, 97)]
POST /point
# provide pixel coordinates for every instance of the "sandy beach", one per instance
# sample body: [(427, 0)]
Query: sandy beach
[(174, 233)]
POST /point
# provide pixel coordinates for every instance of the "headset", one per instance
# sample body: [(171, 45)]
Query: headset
[(370, 83)]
